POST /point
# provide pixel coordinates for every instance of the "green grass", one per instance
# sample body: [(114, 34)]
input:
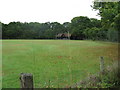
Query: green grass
[(62, 62)]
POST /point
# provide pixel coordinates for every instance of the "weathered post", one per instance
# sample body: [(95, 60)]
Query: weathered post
[(26, 80), (102, 65)]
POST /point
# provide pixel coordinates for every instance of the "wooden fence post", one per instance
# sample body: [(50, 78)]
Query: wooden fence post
[(102, 65), (26, 80)]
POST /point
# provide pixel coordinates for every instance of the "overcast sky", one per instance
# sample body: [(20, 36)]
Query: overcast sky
[(44, 10)]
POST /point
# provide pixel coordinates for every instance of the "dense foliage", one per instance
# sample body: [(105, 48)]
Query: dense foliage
[(80, 27), (48, 30), (110, 18)]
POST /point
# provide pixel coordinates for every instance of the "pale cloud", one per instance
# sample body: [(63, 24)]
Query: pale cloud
[(44, 10)]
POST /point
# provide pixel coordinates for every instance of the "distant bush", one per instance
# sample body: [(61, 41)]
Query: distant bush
[(95, 33)]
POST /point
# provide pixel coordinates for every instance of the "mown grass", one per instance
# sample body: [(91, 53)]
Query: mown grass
[(53, 63)]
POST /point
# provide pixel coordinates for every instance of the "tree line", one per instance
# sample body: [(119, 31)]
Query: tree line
[(48, 30), (80, 27)]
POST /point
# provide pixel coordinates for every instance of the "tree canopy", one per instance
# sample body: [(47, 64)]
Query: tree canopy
[(110, 18)]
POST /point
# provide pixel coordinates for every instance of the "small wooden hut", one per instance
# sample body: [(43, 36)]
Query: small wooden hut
[(63, 36)]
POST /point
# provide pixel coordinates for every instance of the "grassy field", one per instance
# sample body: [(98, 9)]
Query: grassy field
[(54, 63)]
